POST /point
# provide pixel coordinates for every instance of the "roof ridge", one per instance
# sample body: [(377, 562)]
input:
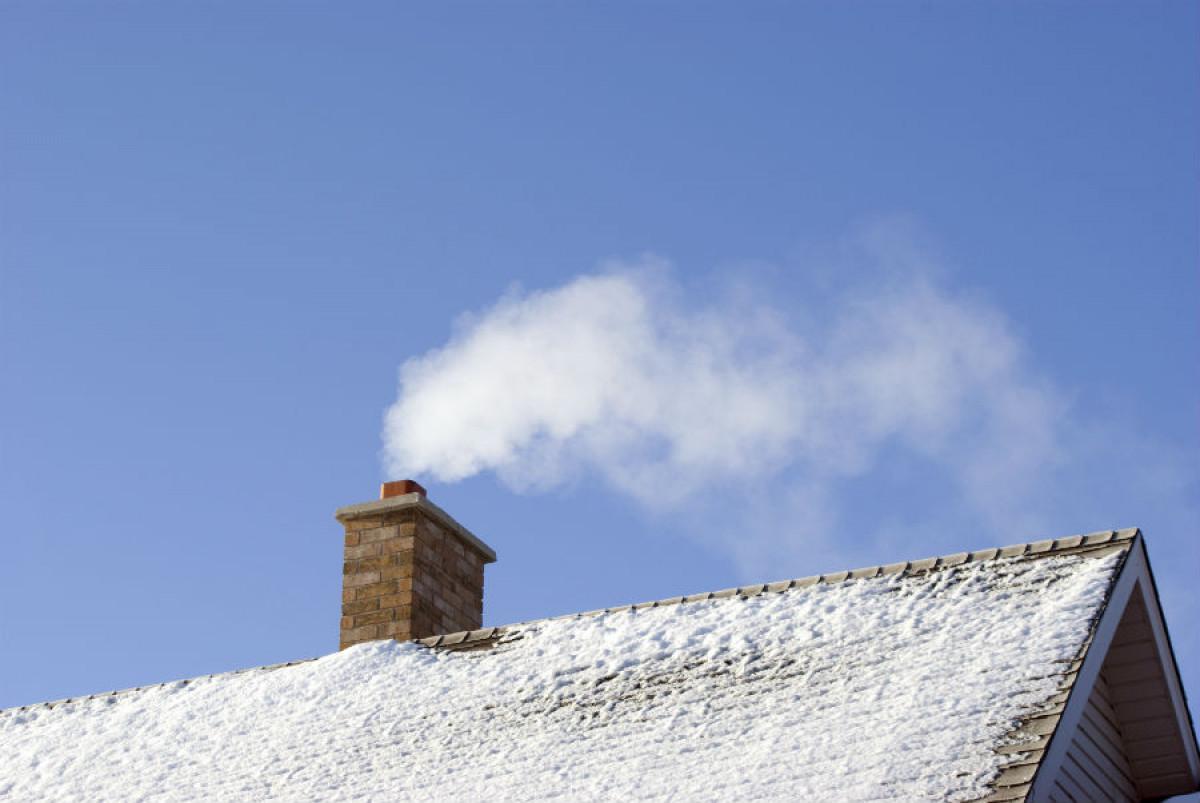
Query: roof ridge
[(178, 682), (483, 637), (1051, 546)]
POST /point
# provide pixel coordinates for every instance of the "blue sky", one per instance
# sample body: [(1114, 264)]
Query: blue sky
[(225, 228)]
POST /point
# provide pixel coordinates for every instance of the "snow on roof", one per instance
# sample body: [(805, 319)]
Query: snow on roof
[(904, 684)]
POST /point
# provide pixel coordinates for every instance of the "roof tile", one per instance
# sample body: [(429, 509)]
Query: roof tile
[(956, 559), (922, 565), (1016, 774), (1007, 794)]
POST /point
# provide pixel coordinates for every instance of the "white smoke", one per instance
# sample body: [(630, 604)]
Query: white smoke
[(614, 373)]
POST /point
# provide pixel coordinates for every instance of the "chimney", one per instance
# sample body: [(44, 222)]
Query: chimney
[(410, 570)]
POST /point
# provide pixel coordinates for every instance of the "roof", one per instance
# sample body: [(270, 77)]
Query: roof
[(950, 678)]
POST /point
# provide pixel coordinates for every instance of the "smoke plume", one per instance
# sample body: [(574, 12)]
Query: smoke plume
[(617, 374)]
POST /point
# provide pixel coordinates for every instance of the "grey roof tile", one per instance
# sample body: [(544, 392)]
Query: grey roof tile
[(922, 565), (1102, 537), (1041, 725), (957, 559), (1010, 793), (1036, 745), (1016, 775)]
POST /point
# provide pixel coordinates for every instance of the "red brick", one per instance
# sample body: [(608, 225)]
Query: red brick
[(363, 565), (363, 551), (397, 630), (403, 598), (403, 613), (374, 617), (365, 578), (401, 543), (361, 606), (379, 534), (359, 634), (396, 573), (376, 589)]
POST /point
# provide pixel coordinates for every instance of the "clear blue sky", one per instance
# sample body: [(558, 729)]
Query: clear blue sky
[(224, 227)]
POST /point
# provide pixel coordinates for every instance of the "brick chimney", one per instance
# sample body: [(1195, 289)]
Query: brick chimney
[(410, 570)]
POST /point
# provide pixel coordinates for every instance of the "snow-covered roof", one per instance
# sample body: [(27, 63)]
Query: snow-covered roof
[(927, 679)]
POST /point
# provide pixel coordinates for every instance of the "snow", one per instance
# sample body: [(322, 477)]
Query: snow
[(897, 687)]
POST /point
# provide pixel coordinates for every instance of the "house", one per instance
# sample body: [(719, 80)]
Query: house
[(1041, 671)]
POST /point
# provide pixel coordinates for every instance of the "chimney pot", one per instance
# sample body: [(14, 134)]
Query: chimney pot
[(400, 488)]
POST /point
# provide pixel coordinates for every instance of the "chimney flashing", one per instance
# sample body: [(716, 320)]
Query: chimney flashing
[(392, 504)]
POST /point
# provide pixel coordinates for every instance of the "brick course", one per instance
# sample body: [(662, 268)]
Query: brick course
[(409, 572)]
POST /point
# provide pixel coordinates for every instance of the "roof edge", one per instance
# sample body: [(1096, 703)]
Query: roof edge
[(1100, 540)]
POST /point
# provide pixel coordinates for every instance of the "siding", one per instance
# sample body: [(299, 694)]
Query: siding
[(1095, 767)]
